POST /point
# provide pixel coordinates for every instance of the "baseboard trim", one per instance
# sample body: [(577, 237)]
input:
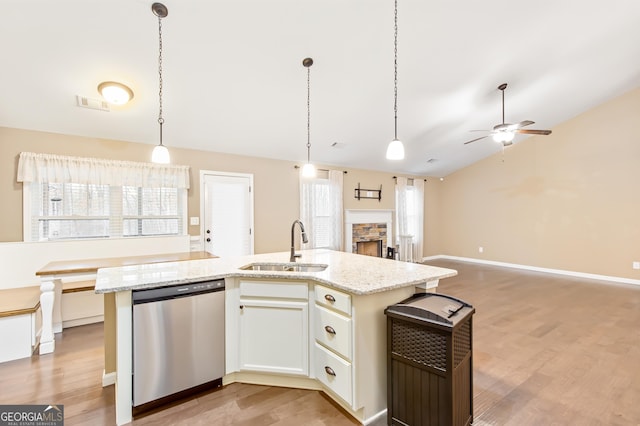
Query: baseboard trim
[(82, 321), (375, 417), (108, 379), (618, 280)]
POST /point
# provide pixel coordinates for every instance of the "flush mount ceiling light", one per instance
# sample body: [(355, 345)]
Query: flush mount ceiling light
[(160, 152), (115, 93), (395, 150), (308, 170)]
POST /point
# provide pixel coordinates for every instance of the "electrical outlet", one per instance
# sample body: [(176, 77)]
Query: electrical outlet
[(636, 265), (480, 249), (194, 220)]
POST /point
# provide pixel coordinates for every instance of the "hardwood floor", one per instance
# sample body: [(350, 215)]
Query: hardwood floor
[(548, 350)]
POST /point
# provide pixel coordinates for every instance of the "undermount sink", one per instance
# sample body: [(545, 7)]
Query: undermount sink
[(288, 267)]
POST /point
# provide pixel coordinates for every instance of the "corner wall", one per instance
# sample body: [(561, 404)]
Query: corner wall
[(567, 201)]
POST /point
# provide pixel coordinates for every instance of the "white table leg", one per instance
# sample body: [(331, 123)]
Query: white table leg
[(57, 306), (47, 343)]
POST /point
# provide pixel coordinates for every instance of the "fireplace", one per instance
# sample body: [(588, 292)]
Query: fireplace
[(369, 248), (368, 226)]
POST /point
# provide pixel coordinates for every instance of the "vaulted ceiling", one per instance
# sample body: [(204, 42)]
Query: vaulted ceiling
[(234, 80)]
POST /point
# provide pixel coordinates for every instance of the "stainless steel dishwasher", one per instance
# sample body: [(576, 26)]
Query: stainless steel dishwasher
[(178, 341)]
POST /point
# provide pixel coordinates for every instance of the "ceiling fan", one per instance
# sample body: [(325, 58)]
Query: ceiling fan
[(505, 132)]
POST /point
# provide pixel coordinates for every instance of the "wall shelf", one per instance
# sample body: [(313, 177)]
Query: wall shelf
[(361, 193)]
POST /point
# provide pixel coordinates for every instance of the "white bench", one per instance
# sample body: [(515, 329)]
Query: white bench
[(20, 319)]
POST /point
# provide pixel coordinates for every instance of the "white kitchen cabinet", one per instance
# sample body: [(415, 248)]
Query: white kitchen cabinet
[(273, 327)]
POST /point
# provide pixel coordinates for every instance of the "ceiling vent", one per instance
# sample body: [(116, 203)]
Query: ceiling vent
[(98, 104)]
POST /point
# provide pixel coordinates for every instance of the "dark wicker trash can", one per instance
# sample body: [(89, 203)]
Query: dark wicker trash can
[(429, 361)]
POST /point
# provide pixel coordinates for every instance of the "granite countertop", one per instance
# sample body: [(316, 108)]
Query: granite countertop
[(353, 273)]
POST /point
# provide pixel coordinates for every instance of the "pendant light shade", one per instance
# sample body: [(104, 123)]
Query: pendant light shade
[(395, 150), (308, 170), (160, 153)]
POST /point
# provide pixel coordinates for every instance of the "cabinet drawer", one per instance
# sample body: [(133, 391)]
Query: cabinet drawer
[(274, 289), (333, 330), (333, 298), (333, 372)]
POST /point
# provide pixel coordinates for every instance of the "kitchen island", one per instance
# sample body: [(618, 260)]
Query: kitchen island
[(296, 327)]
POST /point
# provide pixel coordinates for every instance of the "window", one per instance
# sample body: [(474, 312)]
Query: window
[(107, 200), (321, 210), (150, 211), (410, 217)]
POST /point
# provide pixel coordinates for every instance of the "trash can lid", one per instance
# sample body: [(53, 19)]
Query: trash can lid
[(433, 308)]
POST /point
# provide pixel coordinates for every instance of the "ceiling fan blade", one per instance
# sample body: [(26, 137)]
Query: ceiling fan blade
[(524, 123), (476, 139), (533, 132)]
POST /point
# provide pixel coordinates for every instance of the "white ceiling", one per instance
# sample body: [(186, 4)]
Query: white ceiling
[(234, 80)]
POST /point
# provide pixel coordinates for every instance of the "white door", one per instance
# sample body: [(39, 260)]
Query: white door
[(227, 211)]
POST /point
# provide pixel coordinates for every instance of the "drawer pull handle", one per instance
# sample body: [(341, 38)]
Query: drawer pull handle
[(329, 329), (329, 370), (330, 298)]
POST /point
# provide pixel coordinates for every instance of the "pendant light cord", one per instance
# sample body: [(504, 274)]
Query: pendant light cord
[(308, 114), (160, 119), (395, 70)]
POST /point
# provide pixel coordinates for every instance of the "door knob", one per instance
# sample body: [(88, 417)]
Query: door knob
[(208, 231), (208, 240)]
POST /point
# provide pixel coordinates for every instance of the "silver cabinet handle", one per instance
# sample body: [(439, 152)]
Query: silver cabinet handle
[(329, 370), (329, 329), (330, 298)]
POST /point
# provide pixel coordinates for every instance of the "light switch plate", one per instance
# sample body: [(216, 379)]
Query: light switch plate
[(195, 220)]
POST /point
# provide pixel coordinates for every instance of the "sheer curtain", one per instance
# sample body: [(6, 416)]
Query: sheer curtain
[(410, 218), (321, 210), (49, 168)]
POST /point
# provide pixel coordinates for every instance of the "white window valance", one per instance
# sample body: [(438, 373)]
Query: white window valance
[(42, 168)]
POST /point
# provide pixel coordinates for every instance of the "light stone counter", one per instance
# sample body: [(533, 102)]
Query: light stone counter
[(355, 274)]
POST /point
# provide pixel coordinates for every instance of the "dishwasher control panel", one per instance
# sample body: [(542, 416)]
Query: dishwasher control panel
[(181, 290)]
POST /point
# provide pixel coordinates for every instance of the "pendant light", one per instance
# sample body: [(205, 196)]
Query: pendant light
[(395, 150), (160, 152), (308, 170)]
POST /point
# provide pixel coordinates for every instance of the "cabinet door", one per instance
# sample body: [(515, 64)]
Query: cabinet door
[(274, 336)]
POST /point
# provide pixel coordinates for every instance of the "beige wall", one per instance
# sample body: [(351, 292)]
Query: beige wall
[(567, 201), (276, 182)]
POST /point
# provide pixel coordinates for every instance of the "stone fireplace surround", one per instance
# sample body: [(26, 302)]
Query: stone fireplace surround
[(361, 219)]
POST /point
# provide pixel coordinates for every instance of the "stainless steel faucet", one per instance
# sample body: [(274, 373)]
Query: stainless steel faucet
[(304, 239)]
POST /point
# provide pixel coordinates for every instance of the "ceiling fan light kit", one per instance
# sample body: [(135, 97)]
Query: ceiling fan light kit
[(505, 132)]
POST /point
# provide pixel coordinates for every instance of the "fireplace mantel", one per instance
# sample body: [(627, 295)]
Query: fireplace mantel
[(357, 216)]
